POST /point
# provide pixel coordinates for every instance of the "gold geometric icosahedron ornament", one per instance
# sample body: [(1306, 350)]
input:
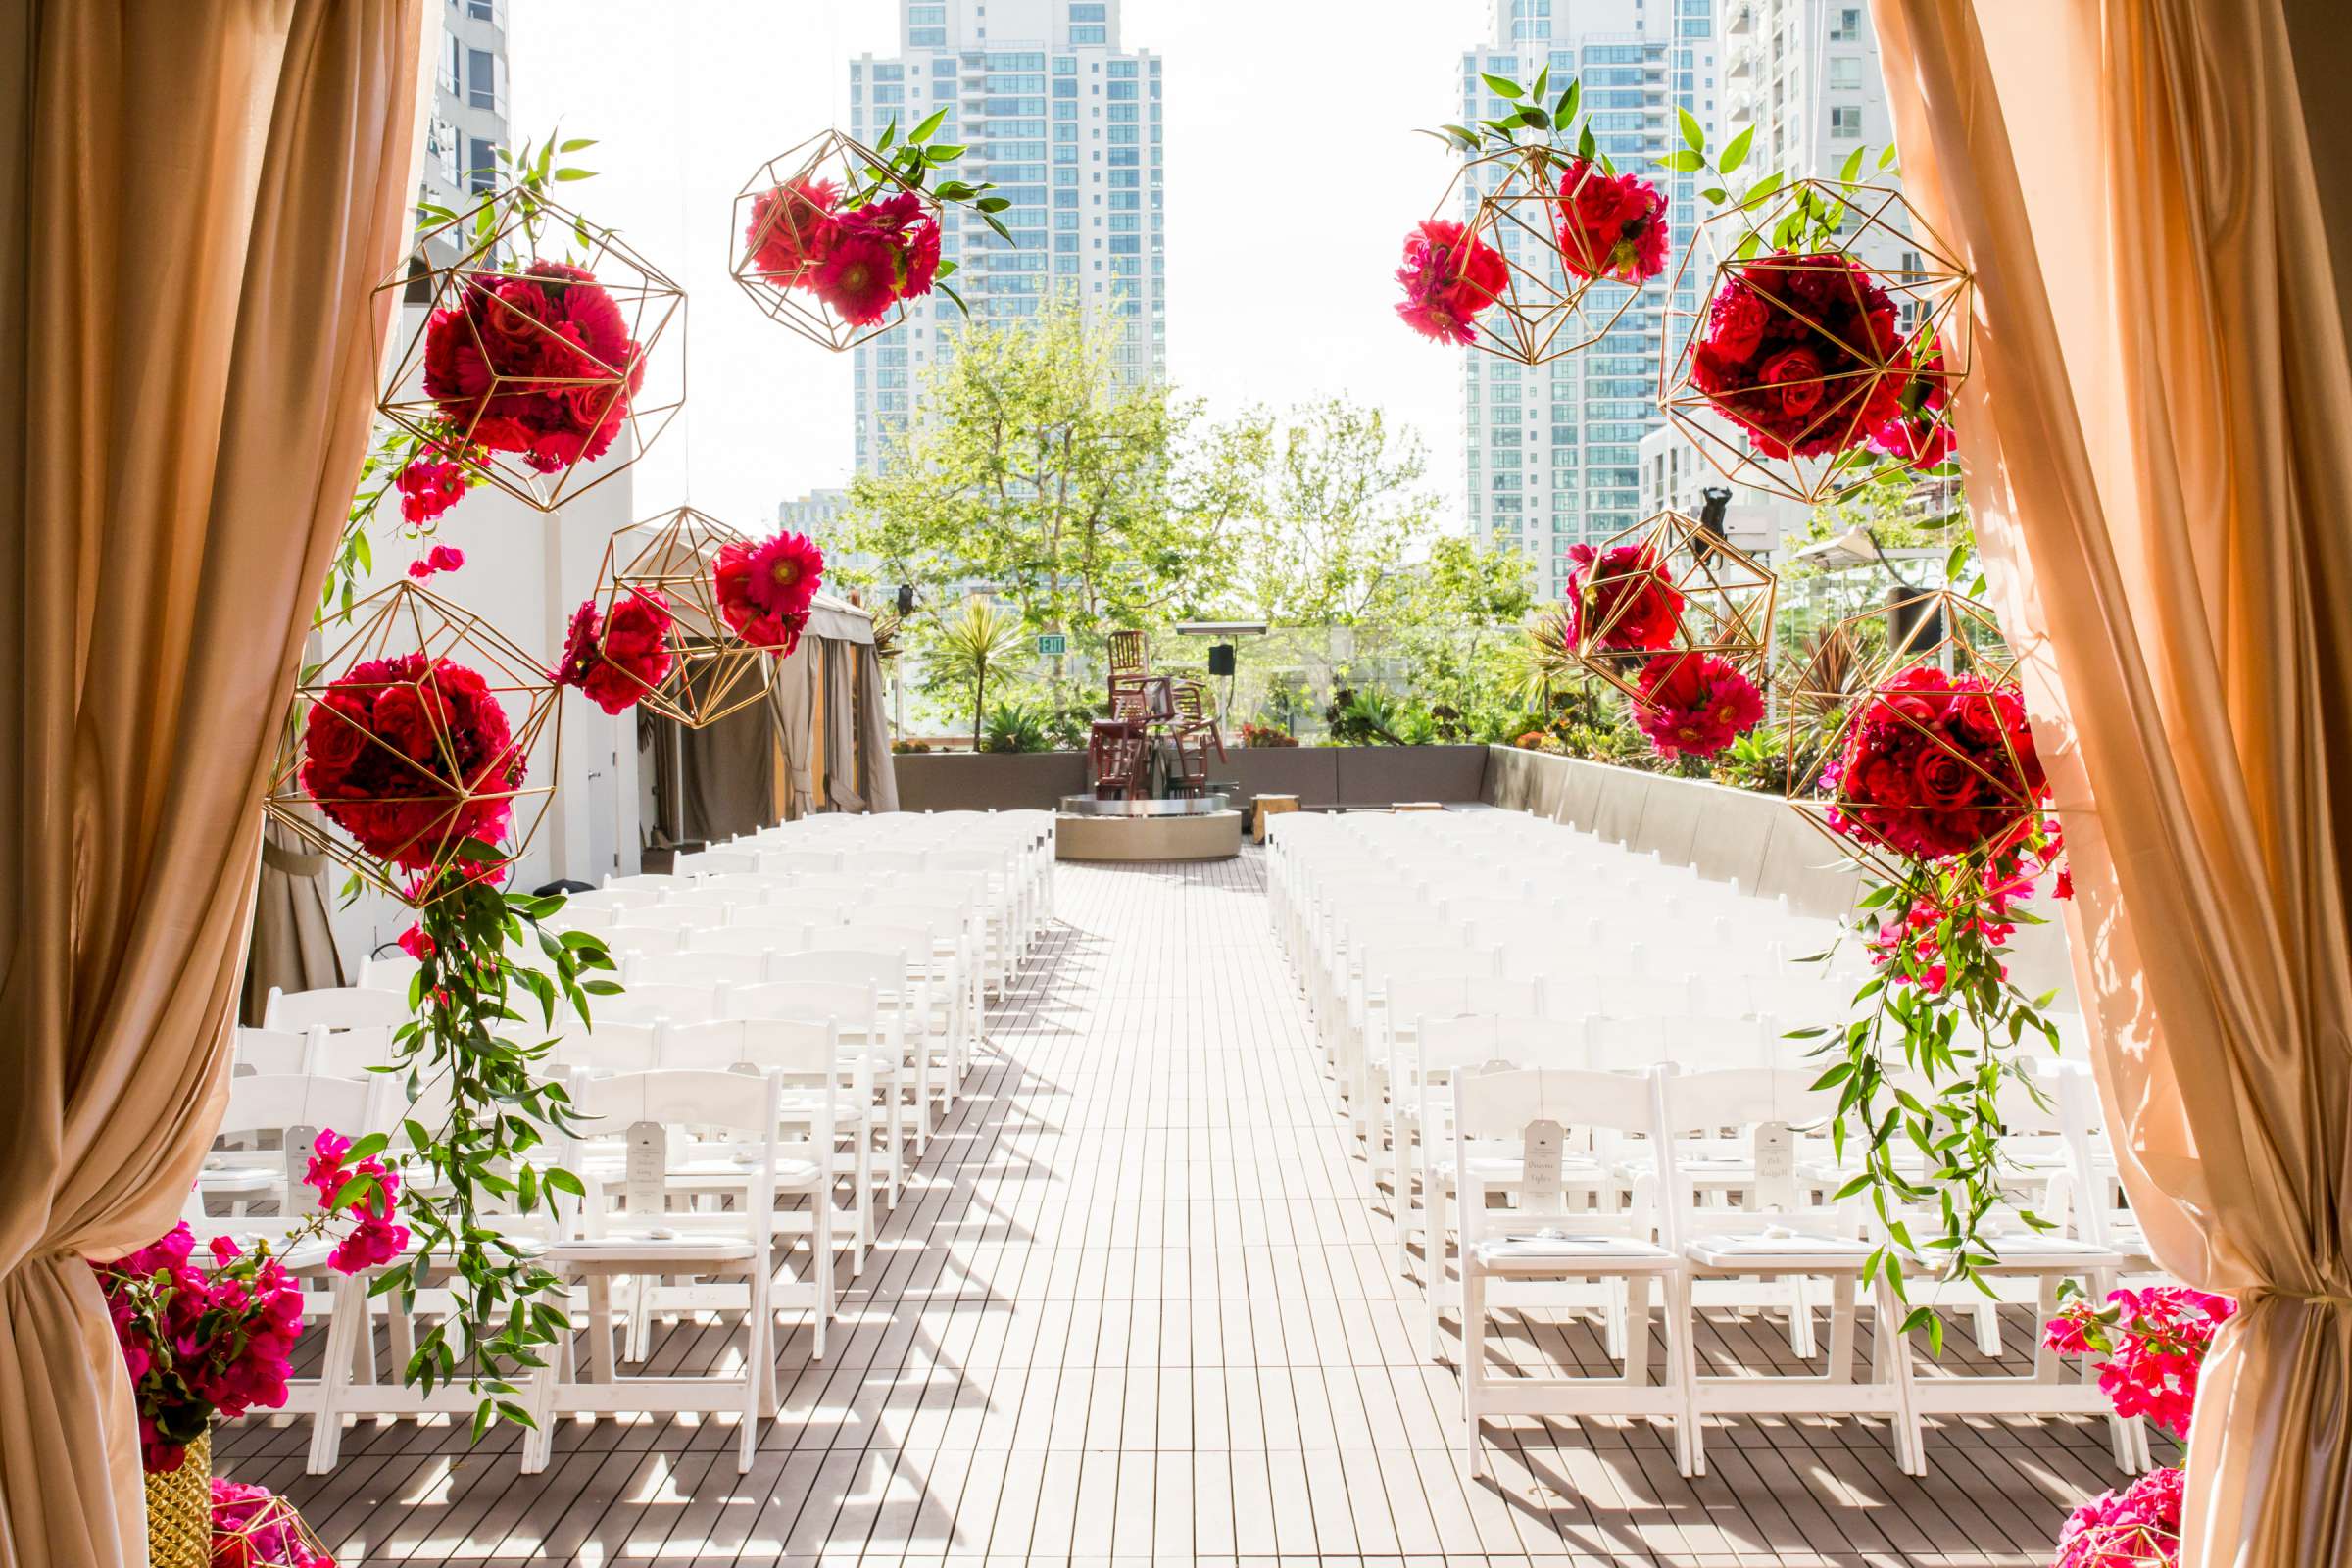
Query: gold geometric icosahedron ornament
[(1931, 292), (631, 393), (438, 797), (713, 673), (1825, 702), (1545, 309), (1727, 597), (772, 206)]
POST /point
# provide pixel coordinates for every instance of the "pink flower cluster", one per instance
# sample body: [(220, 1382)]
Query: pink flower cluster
[(1913, 947), (765, 590), (428, 486), (199, 1341), (2139, 1527), (1612, 225), (2154, 1341), (859, 260), (253, 1527), (1695, 705), (1937, 765), (1919, 430), (438, 559), (373, 1240)]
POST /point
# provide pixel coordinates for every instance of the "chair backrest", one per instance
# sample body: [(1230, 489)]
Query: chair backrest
[(850, 1004), (612, 899), (273, 1103), (755, 940), (894, 861), (348, 1053), (657, 881), (709, 897), (1517, 1040), (609, 1046), (671, 1101), (335, 1007), (1128, 651), (914, 943), (710, 862), (1595, 1110), (694, 970), (273, 1051), (656, 1003), (799, 861), (389, 971), (882, 970), (666, 917), (1541, 957), (1679, 1040), (1757, 1118), (638, 941)]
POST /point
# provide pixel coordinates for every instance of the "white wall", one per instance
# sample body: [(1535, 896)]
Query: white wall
[(525, 573)]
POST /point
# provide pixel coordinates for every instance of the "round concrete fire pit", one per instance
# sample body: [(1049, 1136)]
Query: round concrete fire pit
[(1207, 828)]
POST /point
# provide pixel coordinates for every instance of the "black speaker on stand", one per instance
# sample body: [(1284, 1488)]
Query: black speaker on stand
[(1220, 659)]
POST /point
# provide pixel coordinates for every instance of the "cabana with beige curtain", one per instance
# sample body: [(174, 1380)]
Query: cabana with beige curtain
[(821, 741)]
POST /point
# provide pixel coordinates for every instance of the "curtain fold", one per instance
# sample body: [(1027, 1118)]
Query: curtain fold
[(198, 201), (877, 774), (791, 704), (841, 728), (2158, 438), (293, 947)]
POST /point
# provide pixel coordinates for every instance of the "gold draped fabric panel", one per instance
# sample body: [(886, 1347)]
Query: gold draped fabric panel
[(198, 200), (877, 774), (2158, 437), (293, 946)]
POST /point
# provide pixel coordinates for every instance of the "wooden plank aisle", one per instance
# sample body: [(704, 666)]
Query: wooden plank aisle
[(1137, 1308)]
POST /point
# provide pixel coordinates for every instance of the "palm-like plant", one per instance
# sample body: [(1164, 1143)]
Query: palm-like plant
[(978, 643), (1542, 661)]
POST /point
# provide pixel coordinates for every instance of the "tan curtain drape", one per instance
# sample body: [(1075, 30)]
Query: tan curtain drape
[(293, 946), (791, 704), (2158, 438), (198, 200), (841, 728), (877, 774), (730, 775)]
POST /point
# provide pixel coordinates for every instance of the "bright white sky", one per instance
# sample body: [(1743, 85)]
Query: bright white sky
[(1282, 237)]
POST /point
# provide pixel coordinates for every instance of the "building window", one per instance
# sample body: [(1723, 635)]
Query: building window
[(1846, 71), (481, 79), (1846, 122), (1845, 24), (1090, 35), (481, 167), (926, 38)]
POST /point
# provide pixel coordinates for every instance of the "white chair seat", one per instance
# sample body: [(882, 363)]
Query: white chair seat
[(652, 1248), (706, 1173), (1737, 1253), (222, 1178), (1560, 1255)]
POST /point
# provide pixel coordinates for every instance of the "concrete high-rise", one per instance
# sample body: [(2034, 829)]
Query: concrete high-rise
[(1068, 125), (469, 121), (1552, 449)]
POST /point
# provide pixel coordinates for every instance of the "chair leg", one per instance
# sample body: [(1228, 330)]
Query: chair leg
[(1843, 1291), (1989, 1330), (821, 1238), (350, 1309), (1682, 1353), (1474, 1360), (1801, 1342), (1637, 1329), (1433, 1270)]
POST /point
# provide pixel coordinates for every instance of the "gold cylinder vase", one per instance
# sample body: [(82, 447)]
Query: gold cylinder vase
[(179, 1511)]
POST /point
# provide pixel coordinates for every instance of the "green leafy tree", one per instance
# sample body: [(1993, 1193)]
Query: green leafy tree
[(1033, 472)]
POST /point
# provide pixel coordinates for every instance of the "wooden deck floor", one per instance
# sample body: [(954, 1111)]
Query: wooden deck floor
[(1137, 1308)]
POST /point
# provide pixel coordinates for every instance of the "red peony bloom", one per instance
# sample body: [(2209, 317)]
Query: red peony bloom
[(1449, 276), (410, 757), (1798, 350), (616, 660), (765, 590), (1920, 431), (792, 229), (1624, 601), (1695, 705), (1937, 765), (1612, 225), (537, 362), (858, 278)]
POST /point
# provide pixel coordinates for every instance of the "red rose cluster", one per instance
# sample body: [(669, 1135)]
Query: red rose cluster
[(1626, 599), (618, 659), (396, 751), (1937, 765), (859, 260), (1796, 350), (1450, 275), (199, 1342), (1612, 225), (537, 362), (1920, 431), (1695, 705), (765, 589), (428, 486), (2139, 1527)]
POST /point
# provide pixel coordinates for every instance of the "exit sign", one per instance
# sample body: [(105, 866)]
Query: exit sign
[(1053, 644)]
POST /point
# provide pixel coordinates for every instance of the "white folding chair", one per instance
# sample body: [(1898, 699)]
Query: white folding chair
[(335, 1007), (870, 1066)]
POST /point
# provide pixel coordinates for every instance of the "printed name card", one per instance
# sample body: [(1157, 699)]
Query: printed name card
[(1776, 1167), (1541, 1160), (648, 1168)]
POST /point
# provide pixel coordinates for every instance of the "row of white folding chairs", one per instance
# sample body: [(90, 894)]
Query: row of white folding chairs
[(1552, 1139)]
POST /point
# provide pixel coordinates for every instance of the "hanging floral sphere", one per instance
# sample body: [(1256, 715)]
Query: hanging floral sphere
[(408, 752), (535, 357), (1620, 600), (1937, 765), (1612, 225), (1796, 352), (836, 238), (537, 362), (765, 589), (410, 755), (1695, 704), (1449, 276), (1830, 331), (616, 658)]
